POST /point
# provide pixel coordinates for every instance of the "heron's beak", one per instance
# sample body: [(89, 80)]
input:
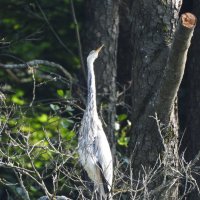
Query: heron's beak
[(99, 49)]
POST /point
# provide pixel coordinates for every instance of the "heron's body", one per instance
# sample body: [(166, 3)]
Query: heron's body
[(94, 151)]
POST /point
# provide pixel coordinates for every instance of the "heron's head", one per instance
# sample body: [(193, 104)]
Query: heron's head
[(93, 55)]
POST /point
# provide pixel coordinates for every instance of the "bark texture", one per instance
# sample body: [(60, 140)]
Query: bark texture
[(153, 28), (159, 59), (102, 23)]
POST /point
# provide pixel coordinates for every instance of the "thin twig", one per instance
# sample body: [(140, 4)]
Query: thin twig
[(78, 38), (53, 31), (19, 177), (34, 86)]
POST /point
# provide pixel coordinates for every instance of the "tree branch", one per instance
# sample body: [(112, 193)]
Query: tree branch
[(35, 63), (25, 192), (78, 39), (53, 31), (176, 63)]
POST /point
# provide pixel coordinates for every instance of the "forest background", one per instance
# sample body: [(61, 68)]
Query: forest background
[(43, 76)]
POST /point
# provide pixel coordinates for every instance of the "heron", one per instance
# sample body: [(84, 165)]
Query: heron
[(93, 147)]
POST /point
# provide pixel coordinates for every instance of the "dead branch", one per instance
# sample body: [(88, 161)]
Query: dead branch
[(78, 38), (175, 67), (36, 63)]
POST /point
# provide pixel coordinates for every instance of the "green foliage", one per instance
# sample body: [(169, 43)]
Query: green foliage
[(121, 117), (17, 97), (123, 126), (45, 137), (64, 94), (60, 93), (38, 119)]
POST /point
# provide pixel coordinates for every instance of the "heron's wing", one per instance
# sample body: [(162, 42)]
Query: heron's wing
[(104, 181), (103, 157)]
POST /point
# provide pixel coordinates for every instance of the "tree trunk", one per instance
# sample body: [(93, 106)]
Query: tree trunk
[(153, 28), (102, 28), (157, 70)]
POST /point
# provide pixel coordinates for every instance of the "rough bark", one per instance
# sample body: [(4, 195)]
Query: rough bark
[(153, 28), (102, 28), (158, 65), (175, 67)]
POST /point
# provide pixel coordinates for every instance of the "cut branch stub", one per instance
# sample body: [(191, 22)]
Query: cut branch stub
[(175, 67), (188, 20)]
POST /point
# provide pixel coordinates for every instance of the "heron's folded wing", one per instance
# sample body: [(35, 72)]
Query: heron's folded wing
[(104, 181)]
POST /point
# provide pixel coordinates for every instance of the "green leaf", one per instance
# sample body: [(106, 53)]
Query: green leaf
[(12, 122), (68, 94), (60, 93), (65, 123), (17, 100), (69, 109), (54, 107), (38, 164), (26, 129), (43, 118), (70, 135), (123, 141), (122, 117)]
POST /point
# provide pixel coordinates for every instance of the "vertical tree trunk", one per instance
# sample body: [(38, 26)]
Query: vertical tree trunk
[(157, 71), (153, 28), (102, 28)]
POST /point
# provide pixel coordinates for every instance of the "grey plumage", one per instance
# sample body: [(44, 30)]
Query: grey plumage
[(93, 148)]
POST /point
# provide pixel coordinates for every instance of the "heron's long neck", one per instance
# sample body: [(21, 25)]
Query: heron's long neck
[(91, 101)]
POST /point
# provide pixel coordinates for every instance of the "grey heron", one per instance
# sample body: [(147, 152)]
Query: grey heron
[(93, 147)]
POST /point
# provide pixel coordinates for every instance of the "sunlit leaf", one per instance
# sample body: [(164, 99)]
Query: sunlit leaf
[(60, 93), (70, 135), (123, 141), (26, 129), (12, 122), (38, 164), (43, 118), (122, 117), (17, 100)]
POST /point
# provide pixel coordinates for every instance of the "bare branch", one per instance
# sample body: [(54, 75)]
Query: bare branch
[(53, 31), (35, 63), (19, 177)]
